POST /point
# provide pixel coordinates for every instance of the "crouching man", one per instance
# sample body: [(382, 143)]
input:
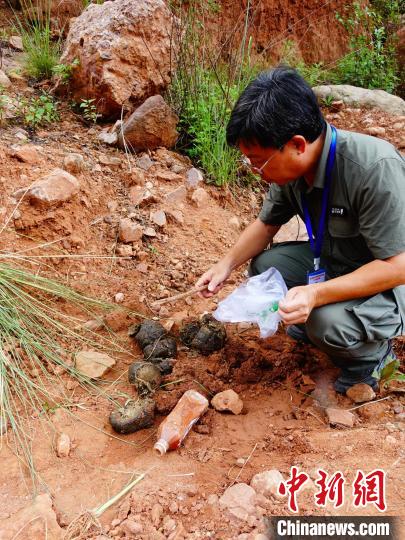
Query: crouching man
[(346, 284)]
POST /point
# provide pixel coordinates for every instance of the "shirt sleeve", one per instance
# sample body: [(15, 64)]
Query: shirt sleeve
[(381, 207), (277, 208)]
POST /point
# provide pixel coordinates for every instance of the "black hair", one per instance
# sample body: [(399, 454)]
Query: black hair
[(274, 107)]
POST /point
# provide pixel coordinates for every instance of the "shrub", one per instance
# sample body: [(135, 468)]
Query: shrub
[(39, 111)]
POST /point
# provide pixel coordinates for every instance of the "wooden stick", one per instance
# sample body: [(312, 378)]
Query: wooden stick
[(179, 296)]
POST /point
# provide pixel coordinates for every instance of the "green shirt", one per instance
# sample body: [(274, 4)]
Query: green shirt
[(366, 214)]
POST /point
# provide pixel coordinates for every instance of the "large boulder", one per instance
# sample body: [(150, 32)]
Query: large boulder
[(153, 124), (361, 97), (124, 50)]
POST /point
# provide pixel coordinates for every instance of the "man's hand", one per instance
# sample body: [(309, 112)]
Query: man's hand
[(297, 304), (215, 278)]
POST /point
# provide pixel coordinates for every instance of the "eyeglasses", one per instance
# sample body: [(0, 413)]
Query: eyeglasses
[(259, 170)]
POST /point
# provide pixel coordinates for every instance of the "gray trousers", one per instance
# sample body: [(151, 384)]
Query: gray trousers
[(353, 333)]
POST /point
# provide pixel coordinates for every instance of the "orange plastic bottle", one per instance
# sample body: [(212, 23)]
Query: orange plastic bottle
[(175, 427)]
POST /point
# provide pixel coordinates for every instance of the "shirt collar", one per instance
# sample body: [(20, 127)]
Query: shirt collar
[(319, 180)]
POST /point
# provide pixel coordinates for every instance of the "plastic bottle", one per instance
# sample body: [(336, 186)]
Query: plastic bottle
[(173, 430)]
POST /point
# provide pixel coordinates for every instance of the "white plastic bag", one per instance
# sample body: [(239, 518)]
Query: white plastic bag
[(255, 300)]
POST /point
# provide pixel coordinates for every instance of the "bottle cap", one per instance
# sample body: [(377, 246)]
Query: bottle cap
[(161, 446)]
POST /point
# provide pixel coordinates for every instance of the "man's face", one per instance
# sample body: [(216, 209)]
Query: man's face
[(278, 166)]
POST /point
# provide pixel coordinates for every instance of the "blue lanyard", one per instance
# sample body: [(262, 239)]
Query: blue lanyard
[(316, 243)]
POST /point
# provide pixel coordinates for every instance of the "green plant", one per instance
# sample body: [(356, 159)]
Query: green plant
[(39, 111), (63, 72), (204, 90), (327, 101), (371, 62), (89, 110)]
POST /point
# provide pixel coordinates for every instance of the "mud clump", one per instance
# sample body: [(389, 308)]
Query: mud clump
[(134, 416), (206, 335), (146, 333), (161, 348), (145, 376), (164, 365)]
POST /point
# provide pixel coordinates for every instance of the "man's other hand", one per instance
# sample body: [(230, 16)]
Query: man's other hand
[(297, 304), (214, 278)]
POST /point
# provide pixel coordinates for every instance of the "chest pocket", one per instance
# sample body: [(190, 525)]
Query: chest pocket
[(343, 226)]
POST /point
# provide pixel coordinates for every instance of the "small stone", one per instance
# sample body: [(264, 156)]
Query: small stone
[(16, 43), (132, 527), (108, 137), (4, 80), (93, 325), (235, 223), (158, 218), (178, 195), (175, 215), (142, 268), (389, 439), (21, 134), (144, 162), (267, 482), (150, 232), (194, 177), (376, 131), (340, 417), (63, 445), (173, 507), (156, 514), (213, 499), (74, 163), (227, 401), (239, 500), (124, 250), (55, 188), (139, 196), (27, 153), (129, 231), (240, 462), (360, 393), (169, 525), (93, 364), (111, 161), (119, 298), (167, 176), (200, 197)]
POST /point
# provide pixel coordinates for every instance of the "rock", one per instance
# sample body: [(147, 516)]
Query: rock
[(360, 97), (144, 162), (153, 124), (340, 417), (28, 153), (376, 131), (158, 218), (142, 268), (178, 195), (16, 43), (240, 462), (169, 525), (389, 439), (175, 215), (139, 196), (267, 482), (119, 298), (149, 232), (359, 393), (163, 175), (200, 197), (235, 223), (156, 514), (129, 231), (63, 445), (111, 161), (74, 163), (93, 364), (194, 177), (31, 522), (227, 401), (212, 499), (131, 526), (125, 55), (124, 250), (53, 189), (239, 500), (4, 80), (108, 137)]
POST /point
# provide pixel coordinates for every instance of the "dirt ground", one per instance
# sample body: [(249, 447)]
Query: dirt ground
[(285, 387)]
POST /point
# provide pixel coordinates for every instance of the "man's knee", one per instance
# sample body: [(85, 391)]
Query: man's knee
[(333, 328), (262, 262)]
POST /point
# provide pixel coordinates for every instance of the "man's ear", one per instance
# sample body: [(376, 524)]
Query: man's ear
[(298, 144)]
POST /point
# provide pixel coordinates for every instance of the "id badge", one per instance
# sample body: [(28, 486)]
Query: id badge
[(316, 276)]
